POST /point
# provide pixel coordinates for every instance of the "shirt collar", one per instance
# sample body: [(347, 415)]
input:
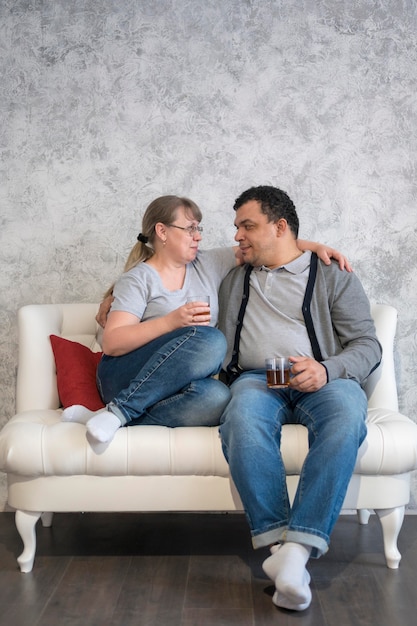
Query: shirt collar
[(298, 266)]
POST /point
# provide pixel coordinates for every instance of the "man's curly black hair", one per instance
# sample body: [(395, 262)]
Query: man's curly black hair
[(275, 204)]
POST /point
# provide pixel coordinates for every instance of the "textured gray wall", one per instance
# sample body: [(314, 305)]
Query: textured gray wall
[(106, 104)]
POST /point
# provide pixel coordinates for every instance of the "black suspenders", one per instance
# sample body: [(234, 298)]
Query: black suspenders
[(233, 370), (306, 308)]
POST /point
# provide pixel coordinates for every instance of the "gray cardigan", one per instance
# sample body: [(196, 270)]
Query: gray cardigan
[(337, 314)]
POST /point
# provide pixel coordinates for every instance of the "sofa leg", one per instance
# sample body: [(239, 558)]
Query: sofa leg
[(25, 524), (391, 522), (46, 519), (363, 516)]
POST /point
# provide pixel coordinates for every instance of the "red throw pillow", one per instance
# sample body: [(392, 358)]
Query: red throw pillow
[(76, 367)]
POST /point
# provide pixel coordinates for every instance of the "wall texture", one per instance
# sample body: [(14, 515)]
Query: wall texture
[(106, 104)]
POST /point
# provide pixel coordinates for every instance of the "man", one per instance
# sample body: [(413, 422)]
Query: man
[(297, 306)]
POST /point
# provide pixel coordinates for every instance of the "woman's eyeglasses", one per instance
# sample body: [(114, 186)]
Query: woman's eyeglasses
[(191, 230)]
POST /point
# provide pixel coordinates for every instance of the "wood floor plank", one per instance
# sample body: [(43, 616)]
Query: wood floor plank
[(23, 597), (154, 589), (87, 593), (218, 581), (218, 617)]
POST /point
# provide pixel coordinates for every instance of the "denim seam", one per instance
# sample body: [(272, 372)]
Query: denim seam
[(311, 427), (173, 398), (284, 495)]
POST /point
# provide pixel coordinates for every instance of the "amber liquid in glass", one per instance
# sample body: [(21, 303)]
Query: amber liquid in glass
[(278, 378), (205, 299), (202, 313)]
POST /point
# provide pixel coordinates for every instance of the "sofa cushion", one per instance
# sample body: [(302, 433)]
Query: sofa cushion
[(38, 443), (76, 367)]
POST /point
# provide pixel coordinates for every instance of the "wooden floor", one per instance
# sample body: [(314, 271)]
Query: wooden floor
[(195, 570)]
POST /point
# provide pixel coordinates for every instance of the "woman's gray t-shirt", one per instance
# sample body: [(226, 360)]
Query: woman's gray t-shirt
[(140, 290)]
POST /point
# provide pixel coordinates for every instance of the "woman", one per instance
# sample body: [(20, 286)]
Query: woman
[(160, 352)]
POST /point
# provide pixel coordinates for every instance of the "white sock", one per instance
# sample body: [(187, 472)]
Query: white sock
[(287, 568), (285, 603), (103, 426), (78, 413)]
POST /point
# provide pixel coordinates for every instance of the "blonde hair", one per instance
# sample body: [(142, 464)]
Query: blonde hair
[(162, 209)]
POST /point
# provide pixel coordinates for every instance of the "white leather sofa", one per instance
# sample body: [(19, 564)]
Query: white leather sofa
[(51, 467)]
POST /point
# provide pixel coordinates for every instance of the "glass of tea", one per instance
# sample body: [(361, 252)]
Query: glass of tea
[(278, 369)]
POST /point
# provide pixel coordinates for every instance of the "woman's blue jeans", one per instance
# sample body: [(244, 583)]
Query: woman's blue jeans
[(251, 436), (168, 381)]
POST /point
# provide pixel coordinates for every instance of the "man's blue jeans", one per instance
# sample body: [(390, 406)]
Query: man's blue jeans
[(168, 381), (251, 436)]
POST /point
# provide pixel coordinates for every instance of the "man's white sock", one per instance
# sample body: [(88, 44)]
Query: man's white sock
[(285, 603), (287, 568)]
